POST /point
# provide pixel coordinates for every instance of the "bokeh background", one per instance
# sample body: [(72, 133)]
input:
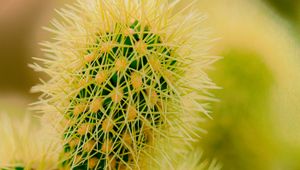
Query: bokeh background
[(256, 123)]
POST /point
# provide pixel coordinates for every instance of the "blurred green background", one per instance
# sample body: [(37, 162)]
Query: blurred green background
[(256, 122)]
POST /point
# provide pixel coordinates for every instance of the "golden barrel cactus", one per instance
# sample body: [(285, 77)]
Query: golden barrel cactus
[(127, 85)]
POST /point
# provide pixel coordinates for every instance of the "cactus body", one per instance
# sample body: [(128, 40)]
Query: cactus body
[(126, 81), (123, 92)]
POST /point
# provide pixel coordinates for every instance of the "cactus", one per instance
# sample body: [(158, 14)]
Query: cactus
[(24, 144), (126, 80)]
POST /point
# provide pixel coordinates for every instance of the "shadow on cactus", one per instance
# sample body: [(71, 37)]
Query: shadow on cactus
[(126, 84)]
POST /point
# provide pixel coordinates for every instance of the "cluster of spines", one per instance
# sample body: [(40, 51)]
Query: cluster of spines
[(121, 104)]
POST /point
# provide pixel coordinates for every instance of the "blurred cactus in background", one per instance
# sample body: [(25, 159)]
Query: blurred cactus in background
[(244, 103), (256, 122), (127, 85), (24, 144)]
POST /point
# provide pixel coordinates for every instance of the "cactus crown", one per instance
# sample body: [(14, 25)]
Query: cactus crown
[(126, 81)]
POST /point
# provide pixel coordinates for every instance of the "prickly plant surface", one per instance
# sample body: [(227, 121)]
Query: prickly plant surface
[(123, 93), (126, 82)]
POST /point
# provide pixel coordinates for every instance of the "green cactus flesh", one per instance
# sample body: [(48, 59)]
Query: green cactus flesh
[(19, 168), (14, 168), (119, 95)]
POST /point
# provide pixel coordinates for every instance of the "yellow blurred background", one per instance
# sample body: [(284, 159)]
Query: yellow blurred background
[(256, 122)]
